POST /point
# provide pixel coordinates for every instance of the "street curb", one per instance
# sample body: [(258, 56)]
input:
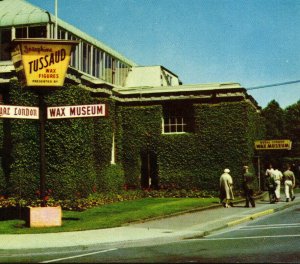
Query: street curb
[(197, 209), (259, 214), (173, 214), (242, 220), (250, 217)]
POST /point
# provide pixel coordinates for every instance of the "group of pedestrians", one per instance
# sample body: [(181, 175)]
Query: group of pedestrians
[(273, 180), (226, 184)]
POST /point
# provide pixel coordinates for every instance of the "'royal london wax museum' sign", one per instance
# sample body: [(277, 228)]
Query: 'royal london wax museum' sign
[(42, 62), (12, 111), (273, 144)]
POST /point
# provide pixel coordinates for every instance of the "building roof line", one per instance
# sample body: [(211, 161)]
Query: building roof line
[(17, 13), (88, 38)]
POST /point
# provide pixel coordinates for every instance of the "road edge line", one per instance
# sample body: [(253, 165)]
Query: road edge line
[(250, 217)]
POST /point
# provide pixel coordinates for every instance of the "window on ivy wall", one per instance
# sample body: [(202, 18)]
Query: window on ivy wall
[(177, 118)]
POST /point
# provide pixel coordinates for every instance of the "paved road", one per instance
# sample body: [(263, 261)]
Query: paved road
[(273, 238), (74, 246)]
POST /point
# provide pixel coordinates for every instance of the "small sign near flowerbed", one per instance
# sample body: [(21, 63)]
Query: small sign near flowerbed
[(44, 216)]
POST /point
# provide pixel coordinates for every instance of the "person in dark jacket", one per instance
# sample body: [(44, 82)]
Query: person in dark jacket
[(248, 186), (270, 184)]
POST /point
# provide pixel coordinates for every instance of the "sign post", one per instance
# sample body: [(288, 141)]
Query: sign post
[(259, 176), (41, 64), (42, 106)]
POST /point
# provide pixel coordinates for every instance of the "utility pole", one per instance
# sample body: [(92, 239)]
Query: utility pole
[(56, 11)]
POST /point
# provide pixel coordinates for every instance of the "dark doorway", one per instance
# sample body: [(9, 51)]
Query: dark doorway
[(149, 170)]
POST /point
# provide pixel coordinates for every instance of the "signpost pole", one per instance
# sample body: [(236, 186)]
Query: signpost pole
[(42, 106), (43, 63), (258, 165)]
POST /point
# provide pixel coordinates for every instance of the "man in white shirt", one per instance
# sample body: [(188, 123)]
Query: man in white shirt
[(269, 171), (289, 184), (277, 176)]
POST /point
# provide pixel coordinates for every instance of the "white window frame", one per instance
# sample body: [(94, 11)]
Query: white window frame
[(179, 123)]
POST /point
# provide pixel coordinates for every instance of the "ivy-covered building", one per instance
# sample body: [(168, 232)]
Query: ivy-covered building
[(158, 133)]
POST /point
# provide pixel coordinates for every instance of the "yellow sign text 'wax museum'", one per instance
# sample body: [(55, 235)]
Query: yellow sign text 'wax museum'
[(273, 144)]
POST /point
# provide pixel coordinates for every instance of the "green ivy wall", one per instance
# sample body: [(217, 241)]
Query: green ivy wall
[(224, 137), (141, 127), (78, 150), (20, 147)]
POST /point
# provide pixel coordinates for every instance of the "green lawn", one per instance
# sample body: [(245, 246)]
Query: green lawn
[(112, 215)]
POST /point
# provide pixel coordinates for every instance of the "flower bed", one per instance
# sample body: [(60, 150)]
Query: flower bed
[(99, 199)]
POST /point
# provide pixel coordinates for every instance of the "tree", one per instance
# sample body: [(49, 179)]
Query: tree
[(274, 122), (274, 118), (292, 127)]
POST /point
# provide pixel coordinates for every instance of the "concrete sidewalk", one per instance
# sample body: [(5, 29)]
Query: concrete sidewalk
[(187, 225)]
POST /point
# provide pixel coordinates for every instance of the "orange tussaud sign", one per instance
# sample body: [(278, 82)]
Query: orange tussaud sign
[(273, 144), (42, 62)]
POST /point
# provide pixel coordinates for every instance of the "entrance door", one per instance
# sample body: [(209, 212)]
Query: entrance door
[(149, 170)]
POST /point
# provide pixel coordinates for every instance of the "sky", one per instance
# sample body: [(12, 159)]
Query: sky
[(251, 42)]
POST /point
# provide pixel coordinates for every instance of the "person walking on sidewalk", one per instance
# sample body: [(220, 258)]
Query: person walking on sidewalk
[(277, 175), (226, 193), (289, 184), (269, 171), (270, 184), (248, 186)]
